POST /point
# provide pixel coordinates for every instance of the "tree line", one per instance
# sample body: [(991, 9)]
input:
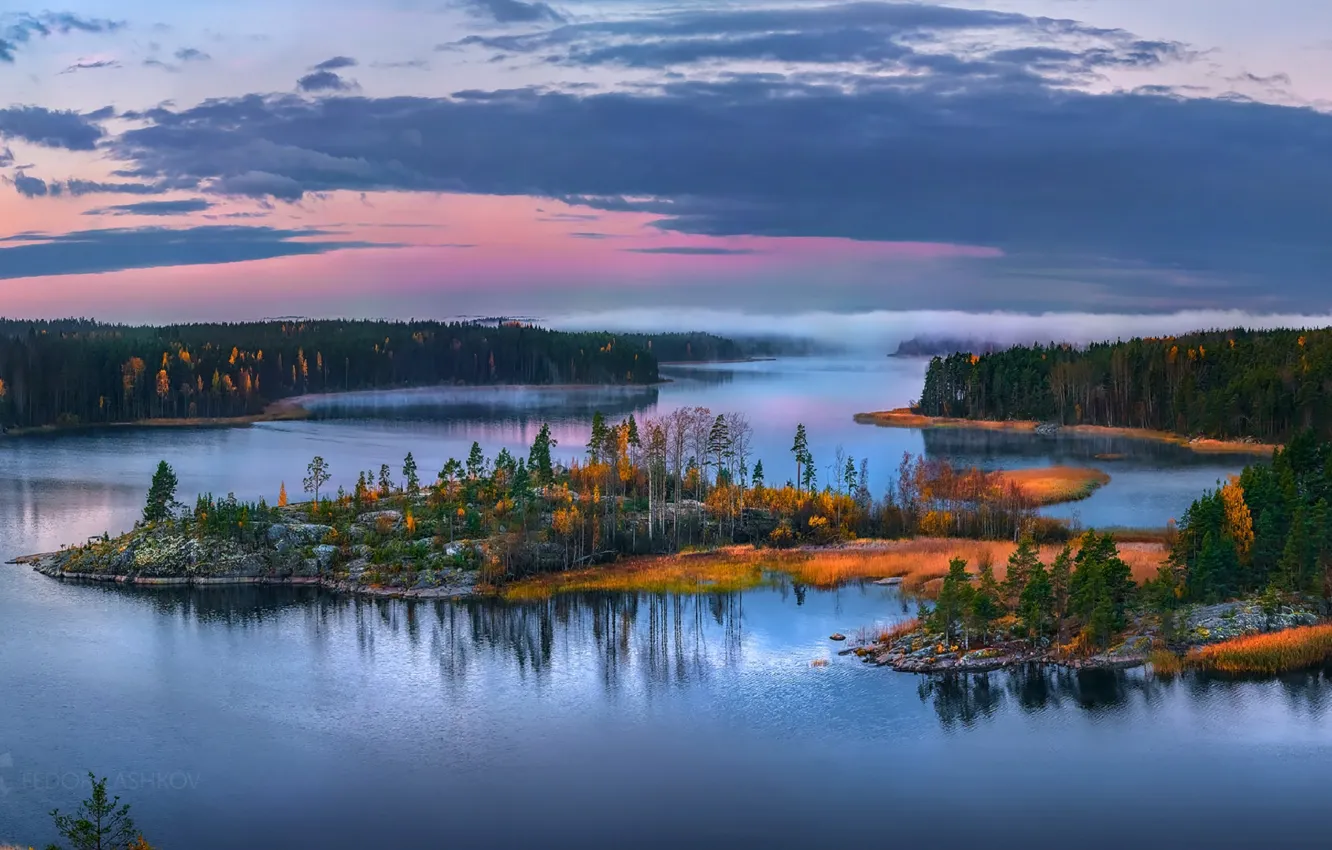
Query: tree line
[(1267, 530), (78, 371), (1083, 595), (1236, 383), (686, 478)]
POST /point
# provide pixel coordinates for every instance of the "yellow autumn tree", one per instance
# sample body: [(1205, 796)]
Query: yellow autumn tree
[(1239, 521), (282, 495)]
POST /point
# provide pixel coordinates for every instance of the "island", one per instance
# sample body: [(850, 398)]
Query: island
[(673, 505)]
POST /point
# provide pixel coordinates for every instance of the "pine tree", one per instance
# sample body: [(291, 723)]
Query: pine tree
[(100, 822), (409, 473), (719, 443), (596, 443), (800, 448), (385, 480), (539, 459), (1020, 564), (757, 476), (161, 494), (476, 462), (1036, 604), (317, 476), (954, 600)]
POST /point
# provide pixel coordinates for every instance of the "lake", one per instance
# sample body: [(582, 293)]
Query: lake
[(261, 717)]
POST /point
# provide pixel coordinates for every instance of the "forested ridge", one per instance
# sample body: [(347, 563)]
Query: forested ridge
[(78, 371), (1236, 383)]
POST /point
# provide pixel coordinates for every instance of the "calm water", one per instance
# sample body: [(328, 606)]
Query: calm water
[(261, 718)]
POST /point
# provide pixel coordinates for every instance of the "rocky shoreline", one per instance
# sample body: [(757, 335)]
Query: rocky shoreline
[(290, 554), (48, 564), (923, 651)]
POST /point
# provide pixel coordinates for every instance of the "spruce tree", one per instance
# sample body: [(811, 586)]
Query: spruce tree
[(161, 494)]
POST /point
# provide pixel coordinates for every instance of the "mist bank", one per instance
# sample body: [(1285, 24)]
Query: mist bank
[(882, 331)]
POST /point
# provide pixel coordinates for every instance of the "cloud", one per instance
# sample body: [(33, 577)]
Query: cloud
[(691, 251), (94, 187), (55, 129), (417, 64), (158, 63), (33, 187), (335, 63), (191, 54), (904, 38), (97, 251), (6, 157), (19, 29), (514, 11), (182, 207), (979, 146), (324, 81), (91, 65)]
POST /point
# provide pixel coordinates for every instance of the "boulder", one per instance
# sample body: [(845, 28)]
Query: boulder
[(837, 636), (325, 555), (308, 533), (372, 519)]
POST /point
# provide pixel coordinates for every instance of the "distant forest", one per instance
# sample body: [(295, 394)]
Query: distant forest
[(1266, 385), (77, 371)]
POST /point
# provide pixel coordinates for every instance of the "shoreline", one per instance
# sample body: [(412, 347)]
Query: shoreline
[(722, 360), (46, 564), (284, 410), (292, 409), (903, 417)]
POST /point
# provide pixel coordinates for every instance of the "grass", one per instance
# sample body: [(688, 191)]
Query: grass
[(904, 417), (894, 632), (921, 563), (1165, 663), (1266, 654), (1052, 485)]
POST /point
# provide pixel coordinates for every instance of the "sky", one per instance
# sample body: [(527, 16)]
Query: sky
[(656, 163)]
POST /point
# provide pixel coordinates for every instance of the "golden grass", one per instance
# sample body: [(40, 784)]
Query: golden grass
[(1274, 652), (1165, 663), (894, 632), (1052, 485), (904, 417), (921, 563)]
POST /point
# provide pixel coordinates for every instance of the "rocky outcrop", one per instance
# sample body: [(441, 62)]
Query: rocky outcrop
[(1205, 624), (286, 553)]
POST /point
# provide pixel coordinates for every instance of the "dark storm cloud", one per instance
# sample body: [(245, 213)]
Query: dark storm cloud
[(335, 63), (55, 129), (514, 11), (96, 251), (323, 81), (17, 30), (980, 146), (882, 35), (182, 207)]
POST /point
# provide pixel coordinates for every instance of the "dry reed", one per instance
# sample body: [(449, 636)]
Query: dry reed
[(920, 562), (1052, 485), (1165, 663), (1274, 652)]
